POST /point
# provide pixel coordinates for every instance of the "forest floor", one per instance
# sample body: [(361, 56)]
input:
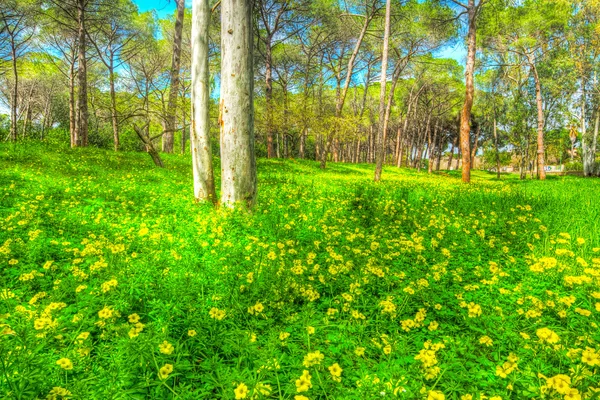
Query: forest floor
[(114, 284)]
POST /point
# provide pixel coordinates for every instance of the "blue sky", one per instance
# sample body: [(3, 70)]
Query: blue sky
[(165, 8)]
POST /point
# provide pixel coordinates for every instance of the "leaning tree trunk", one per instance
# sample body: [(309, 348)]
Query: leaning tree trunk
[(81, 123), (202, 163), (380, 142), (465, 116), (149, 144), (541, 171), (236, 110), (339, 106)]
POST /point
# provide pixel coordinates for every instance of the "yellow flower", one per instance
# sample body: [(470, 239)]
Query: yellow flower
[(313, 358), (300, 397), (359, 351), (310, 330), (164, 371), (284, 335), (336, 372), (166, 347), (191, 333), (433, 325), (105, 313), (65, 363), (547, 335), (486, 340), (466, 397), (560, 383), (387, 349), (435, 395), (590, 357), (241, 391), (217, 314), (303, 383), (143, 231), (134, 318)]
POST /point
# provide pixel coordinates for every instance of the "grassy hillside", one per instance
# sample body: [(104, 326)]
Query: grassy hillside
[(116, 285)]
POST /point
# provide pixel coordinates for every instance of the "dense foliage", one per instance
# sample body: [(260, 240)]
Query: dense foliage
[(116, 285)]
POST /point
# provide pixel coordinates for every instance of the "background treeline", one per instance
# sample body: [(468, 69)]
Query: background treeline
[(100, 73)]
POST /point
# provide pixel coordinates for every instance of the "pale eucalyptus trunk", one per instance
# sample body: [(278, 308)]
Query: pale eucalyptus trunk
[(236, 110), (202, 165)]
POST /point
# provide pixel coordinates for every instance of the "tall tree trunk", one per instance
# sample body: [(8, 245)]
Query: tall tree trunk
[(27, 114), (496, 148), (475, 145), (113, 106), (81, 123), (269, 94), (15, 95), (380, 150), (238, 165), (541, 170), (451, 155), (169, 134), (588, 150), (200, 145), (72, 122), (465, 116), (432, 145), (595, 141)]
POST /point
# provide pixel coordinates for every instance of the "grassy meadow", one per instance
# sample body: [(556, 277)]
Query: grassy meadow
[(114, 284)]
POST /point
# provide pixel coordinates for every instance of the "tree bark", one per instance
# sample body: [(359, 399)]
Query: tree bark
[(541, 171), (15, 94), (465, 119), (269, 94), (380, 150), (475, 145), (202, 162), (81, 123), (238, 165), (169, 136), (113, 106), (588, 149)]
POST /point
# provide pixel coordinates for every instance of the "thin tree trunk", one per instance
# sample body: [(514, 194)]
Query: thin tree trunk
[(451, 156), (475, 145), (588, 150), (72, 122), (238, 165), (269, 95), (15, 96), (595, 142), (145, 138), (541, 171), (113, 106), (496, 148), (342, 98)]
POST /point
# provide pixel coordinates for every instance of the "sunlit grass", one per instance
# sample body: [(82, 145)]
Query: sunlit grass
[(115, 284)]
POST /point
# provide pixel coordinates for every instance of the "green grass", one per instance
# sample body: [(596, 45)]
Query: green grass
[(384, 273)]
